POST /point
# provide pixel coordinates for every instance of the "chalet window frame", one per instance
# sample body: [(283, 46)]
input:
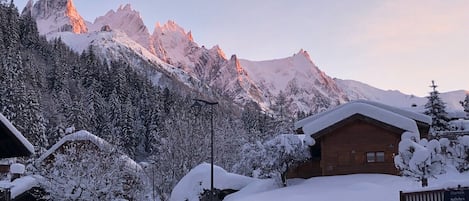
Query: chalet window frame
[(375, 157)]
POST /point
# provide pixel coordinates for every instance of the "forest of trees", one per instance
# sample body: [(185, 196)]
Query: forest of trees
[(45, 88)]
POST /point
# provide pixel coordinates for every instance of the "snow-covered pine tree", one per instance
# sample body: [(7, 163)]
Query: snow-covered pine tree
[(465, 105), (436, 109)]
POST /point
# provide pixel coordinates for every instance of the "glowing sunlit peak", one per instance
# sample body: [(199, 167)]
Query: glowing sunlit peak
[(77, 22)]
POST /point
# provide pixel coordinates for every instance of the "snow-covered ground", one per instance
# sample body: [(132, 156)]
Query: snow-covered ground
[(354, 187)]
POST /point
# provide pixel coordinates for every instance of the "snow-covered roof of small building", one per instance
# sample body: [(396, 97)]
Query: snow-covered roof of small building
[(13, 143), (326, 119), (20, 185), (406, 113), (82, 135)]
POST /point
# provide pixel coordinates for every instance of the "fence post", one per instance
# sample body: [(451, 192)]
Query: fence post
[(401, 196), (5, 194)]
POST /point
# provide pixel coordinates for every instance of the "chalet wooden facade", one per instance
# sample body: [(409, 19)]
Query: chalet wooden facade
[(357, 137)]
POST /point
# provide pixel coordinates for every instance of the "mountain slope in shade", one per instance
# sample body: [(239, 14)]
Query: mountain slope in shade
[(117, 46), (53, 16)]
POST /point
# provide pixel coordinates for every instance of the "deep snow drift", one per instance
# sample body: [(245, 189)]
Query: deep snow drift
[(354, 187)]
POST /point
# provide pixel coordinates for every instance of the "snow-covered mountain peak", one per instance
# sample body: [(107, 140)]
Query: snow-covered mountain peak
[(298, 79), (304, 53), (217, 50), (126, 7), (169, 26), (128, 21), (174, 30), (173, 44), (56, 16)]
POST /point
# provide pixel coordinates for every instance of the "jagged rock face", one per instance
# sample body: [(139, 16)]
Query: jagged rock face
[(210, 66), (127, 20), (303, 85), (56, 16), (174, 45)]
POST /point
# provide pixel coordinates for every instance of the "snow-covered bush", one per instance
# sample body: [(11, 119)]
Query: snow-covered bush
[(459, 125), (419, 158), (192, 185), (459, 153), (465, 105), (272, 158)]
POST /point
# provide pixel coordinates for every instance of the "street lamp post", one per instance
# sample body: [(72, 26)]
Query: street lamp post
[(199, 103)]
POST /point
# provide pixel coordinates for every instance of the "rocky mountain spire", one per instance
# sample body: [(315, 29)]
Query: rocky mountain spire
[(127, 20), (56, 16)]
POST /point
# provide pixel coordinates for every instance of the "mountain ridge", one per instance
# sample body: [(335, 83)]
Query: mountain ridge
[(295, 81)]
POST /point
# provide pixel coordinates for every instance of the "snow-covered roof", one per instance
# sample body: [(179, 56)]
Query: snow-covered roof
[(326, 119), (17, 137), (406, 113), (77, 136), (83, 135)]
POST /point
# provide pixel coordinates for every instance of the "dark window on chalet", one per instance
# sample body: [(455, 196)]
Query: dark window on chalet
[(375, 157), (315, 151)]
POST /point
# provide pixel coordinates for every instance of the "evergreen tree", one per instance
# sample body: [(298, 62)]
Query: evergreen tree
[(465, 105), (436, 109)]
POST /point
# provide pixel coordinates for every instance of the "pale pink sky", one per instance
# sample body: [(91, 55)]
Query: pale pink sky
[(389, 44)]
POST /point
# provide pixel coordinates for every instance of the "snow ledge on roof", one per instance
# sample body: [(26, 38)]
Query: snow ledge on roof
[(352, 108), (406, 113), (77, 136)]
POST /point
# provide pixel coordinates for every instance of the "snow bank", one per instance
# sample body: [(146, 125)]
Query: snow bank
[(193, 184), (355, 187), (20, 185)]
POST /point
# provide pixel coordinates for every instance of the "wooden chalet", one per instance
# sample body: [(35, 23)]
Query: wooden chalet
[(14, 144), (356, 137)]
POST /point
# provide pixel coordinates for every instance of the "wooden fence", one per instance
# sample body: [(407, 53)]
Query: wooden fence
[(457, 194), (437, 195), (5, 194)]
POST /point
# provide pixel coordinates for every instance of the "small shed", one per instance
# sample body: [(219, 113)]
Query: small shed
[(356, 137)]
